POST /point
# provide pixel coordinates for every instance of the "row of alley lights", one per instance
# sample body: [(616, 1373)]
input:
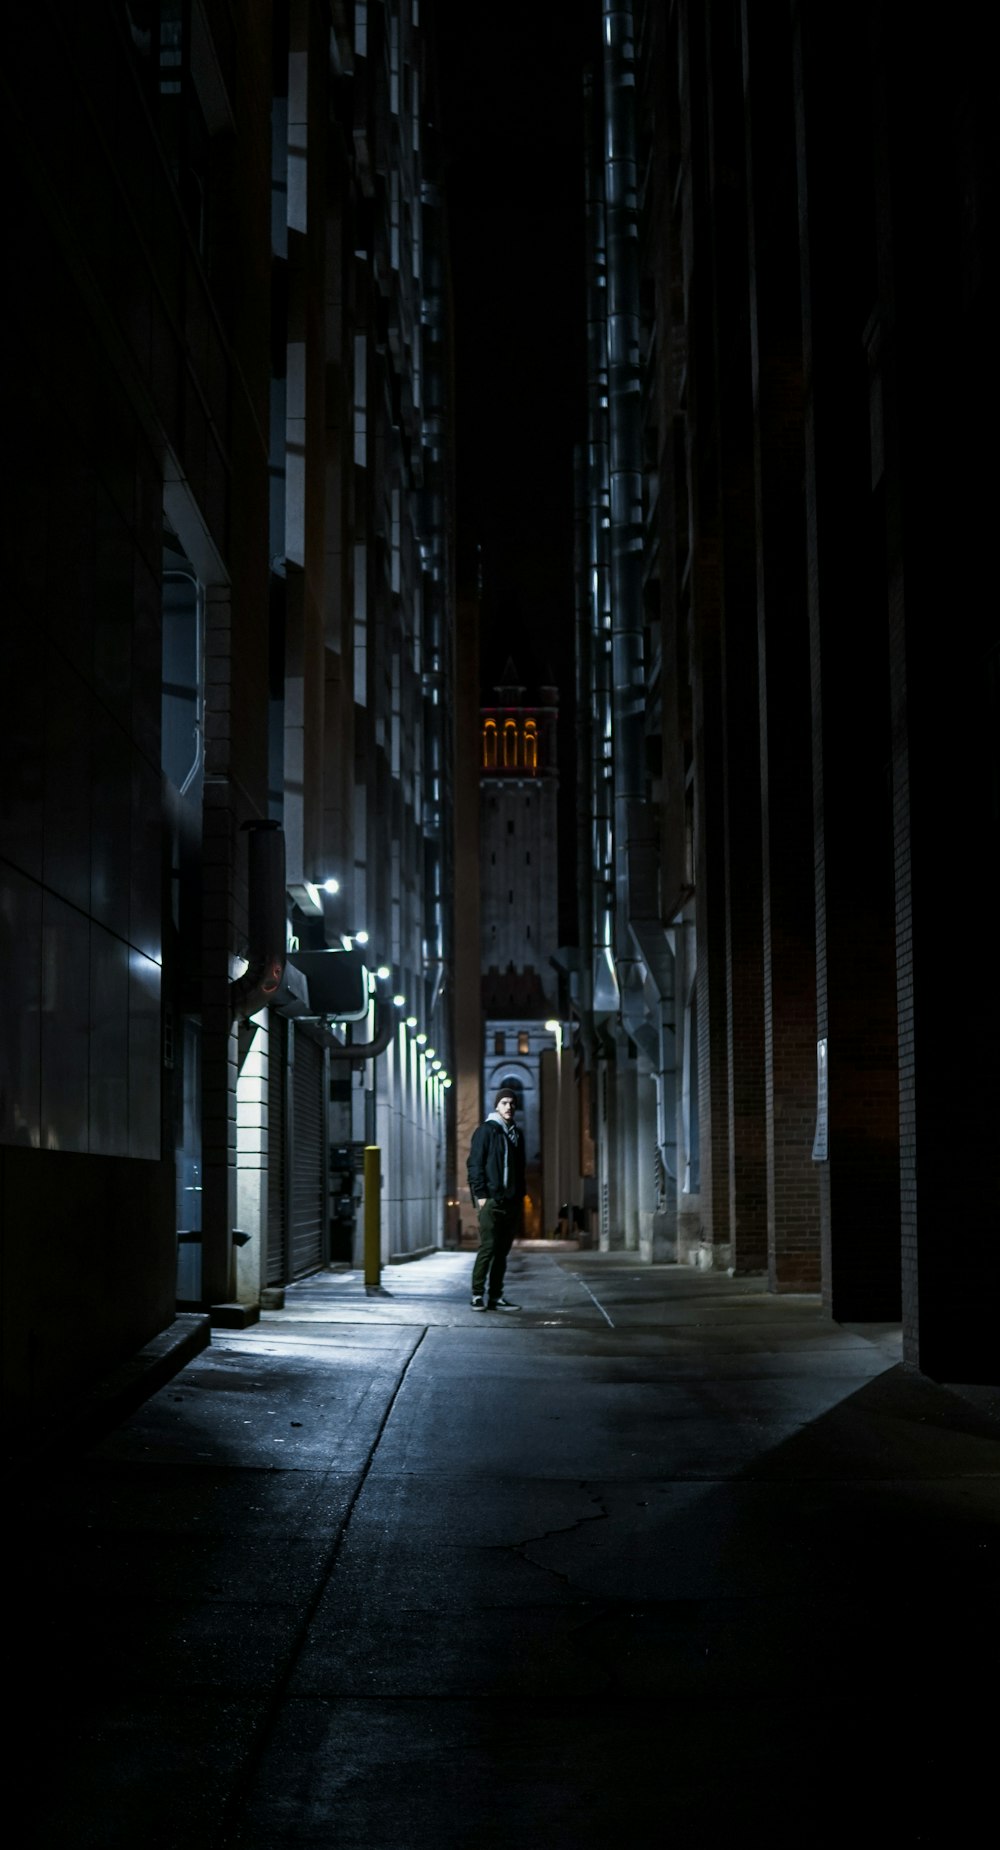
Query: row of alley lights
[(383, 973)]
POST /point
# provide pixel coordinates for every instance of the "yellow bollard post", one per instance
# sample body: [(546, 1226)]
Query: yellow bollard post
[(373, 1215)]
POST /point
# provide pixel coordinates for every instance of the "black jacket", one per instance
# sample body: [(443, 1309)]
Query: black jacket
[(486, 1161)]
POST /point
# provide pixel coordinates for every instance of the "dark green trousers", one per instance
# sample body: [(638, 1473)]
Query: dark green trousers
[(498, 1228)]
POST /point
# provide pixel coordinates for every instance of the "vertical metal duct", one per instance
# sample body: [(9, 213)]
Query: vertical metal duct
[(598, 588), (268, 930), (434, 665), (625, 454), (583, 707), (584, 728)]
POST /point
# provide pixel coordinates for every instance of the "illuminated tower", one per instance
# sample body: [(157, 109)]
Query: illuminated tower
[(519, 895)]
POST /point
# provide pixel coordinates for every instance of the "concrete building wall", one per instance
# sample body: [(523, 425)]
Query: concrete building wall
[(813, 525), (135, 389), (228, 368)]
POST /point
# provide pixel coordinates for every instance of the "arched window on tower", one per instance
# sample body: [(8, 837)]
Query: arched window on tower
[(490, 744), (510, 744), (530, 745)]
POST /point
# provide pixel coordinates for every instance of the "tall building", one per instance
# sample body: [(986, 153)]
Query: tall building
[(228, 769), (518, 845), (783, 623)]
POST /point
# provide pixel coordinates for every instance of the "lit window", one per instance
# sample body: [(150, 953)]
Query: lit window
[(509, 744), (522, 1041), (530, 745), (490, 744)]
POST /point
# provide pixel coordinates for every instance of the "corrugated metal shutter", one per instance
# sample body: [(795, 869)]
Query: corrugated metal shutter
[(277, 1193), (308, 1168)]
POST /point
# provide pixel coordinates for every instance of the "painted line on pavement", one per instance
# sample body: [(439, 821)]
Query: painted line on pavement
[(597, 1301)]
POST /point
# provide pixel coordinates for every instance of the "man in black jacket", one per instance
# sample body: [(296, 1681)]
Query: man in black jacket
[(496, 1179)]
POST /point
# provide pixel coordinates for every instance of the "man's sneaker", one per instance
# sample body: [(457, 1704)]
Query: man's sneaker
[(503, 1304), (478, 1304)]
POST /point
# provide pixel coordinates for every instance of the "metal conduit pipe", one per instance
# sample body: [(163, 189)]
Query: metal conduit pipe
[(625, 454)]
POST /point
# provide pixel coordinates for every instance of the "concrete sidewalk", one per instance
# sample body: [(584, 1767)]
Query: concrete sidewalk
[(658, 1557)]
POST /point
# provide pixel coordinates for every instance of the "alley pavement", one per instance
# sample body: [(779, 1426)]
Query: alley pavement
[(658, 1559)]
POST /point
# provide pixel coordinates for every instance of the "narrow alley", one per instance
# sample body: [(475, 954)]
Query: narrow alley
[(381, 1574)]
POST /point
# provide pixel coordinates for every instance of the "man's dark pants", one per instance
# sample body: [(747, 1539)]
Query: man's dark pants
[(499, 1222)]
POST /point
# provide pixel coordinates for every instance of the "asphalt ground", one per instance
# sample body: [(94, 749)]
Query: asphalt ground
[(657, 1559)]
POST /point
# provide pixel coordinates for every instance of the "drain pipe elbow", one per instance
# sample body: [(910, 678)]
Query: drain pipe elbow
[(383, 1026)]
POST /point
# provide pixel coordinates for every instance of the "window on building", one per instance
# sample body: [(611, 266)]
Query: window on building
[(530, 745), (522, 1041), (162, 38), (490, 744), (510, 828), (509, 744), (499, 1043)]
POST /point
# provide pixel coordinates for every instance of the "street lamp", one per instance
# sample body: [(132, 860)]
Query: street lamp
[(555, 1027)]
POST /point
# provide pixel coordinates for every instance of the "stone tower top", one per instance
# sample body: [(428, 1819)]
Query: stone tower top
[(519, 736)]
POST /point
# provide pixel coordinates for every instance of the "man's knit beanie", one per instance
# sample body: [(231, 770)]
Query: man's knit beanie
[(505, 1092)]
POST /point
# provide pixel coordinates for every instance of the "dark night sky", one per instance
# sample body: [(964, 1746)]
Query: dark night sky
[(511, 116)]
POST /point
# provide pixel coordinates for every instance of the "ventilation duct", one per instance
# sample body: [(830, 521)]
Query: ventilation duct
[(268, 932)]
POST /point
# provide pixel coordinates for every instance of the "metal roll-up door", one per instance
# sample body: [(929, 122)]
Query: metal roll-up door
[(277, 1175), (308, 1167)]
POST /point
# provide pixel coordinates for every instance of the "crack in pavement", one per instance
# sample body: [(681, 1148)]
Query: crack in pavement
[(521, 1548)]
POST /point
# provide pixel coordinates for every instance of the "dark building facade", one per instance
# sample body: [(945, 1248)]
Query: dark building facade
[(229, 623), (791, 655)]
